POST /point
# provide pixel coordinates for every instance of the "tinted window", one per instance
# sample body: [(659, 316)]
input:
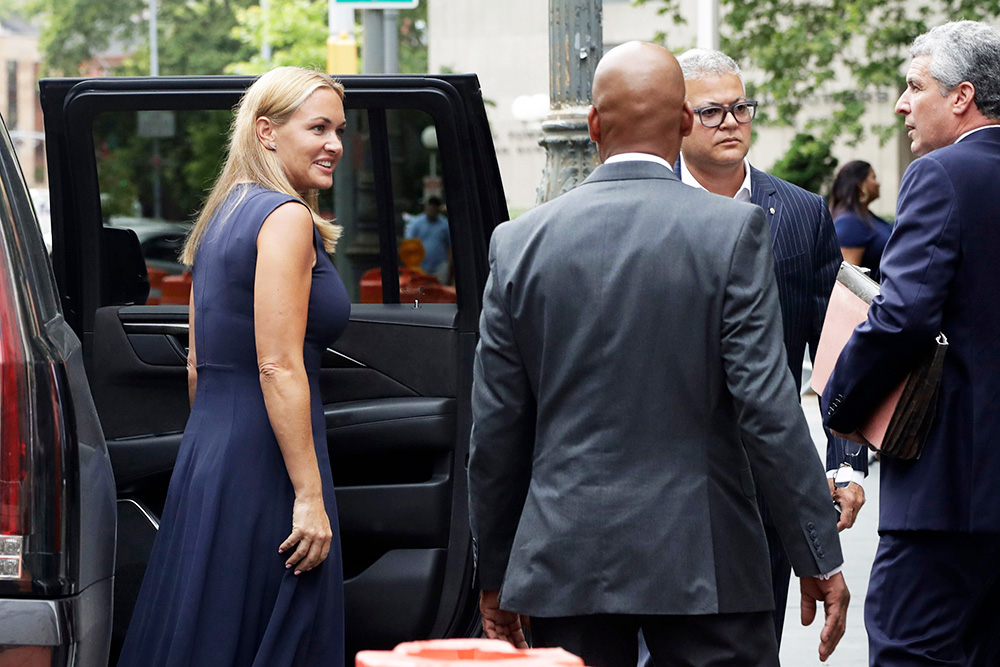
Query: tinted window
[(155, 168)]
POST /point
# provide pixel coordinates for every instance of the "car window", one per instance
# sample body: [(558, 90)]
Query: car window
[(153, 168), (156, 167), (420, 247)]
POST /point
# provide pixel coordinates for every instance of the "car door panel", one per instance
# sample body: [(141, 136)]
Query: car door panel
[(133, 398), (400, 591), (391, 448)]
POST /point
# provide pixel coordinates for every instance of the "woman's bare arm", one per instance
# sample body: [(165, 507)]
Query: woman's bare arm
[(286, 253)]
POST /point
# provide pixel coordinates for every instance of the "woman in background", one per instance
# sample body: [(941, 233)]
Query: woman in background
[(246, 568), (861, 233)]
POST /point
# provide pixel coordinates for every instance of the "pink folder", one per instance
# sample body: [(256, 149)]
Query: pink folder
[(846, 311)]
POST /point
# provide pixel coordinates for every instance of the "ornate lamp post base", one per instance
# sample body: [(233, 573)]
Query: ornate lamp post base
[(570, 155), (575, 46)]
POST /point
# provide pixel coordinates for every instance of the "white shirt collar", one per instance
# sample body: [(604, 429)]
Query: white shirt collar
[(984, 127), (743, 194), (638, 157)]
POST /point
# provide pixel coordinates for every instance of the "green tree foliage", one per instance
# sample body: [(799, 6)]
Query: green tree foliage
[(829, 52), (188, 163), (808, 163), (297, 30), (74, 31), (413, 39), (195, 37), (14, 8)]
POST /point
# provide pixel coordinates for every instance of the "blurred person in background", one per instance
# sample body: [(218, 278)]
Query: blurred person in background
[(861, 233), (431, 227)]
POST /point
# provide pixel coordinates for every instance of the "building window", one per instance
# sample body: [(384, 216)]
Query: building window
[(12, 93)]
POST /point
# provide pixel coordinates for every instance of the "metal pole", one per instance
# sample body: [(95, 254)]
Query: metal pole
[(708, 24), (390, 35), (154, 70), (575, 46), (265, 45), (372, 46)]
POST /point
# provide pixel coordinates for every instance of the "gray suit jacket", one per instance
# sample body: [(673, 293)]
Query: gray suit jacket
[(629, 371)]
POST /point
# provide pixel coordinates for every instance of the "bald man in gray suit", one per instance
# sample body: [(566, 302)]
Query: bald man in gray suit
[(630, 370)]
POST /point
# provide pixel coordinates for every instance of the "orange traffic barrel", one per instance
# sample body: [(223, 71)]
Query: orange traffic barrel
[(371, 286), (464, 653), (176, 290)]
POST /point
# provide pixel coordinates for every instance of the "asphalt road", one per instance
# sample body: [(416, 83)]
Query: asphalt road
[(800, 645)]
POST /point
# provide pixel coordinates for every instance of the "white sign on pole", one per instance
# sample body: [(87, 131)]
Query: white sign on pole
[(157, 124), (377, 4)]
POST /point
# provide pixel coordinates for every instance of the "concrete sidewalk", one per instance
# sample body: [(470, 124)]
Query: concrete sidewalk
[(800, 645)]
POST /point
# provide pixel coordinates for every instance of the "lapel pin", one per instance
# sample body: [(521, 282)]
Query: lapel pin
[(772, 210)]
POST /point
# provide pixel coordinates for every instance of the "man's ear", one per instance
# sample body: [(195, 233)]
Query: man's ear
[(965, 96), (264, 129), (687, 119), (594, 125)]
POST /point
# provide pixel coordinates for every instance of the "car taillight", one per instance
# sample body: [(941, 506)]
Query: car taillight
[(15, 397)]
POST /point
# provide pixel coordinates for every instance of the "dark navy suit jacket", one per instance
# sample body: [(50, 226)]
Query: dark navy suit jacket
[(940, 272), (806, 259)]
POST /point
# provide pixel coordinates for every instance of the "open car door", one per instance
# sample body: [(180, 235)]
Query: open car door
[(129, 162)]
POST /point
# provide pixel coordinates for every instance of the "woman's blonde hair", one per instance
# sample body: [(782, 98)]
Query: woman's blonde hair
[(275, 95)]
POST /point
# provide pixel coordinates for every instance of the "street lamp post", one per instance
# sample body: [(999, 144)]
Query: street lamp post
[(575, 46)]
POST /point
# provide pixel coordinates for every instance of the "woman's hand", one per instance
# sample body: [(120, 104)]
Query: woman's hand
[(311, 531)]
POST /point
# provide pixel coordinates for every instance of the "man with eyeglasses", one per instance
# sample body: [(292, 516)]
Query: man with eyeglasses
[(806, 256)]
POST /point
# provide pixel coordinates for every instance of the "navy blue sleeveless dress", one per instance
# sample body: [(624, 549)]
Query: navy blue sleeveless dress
[(216, 592)]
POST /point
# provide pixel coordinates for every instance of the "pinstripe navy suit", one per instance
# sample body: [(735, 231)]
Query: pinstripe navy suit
[(806, 259)]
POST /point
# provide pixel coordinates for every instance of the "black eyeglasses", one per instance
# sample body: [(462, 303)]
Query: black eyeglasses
[(715, 115)]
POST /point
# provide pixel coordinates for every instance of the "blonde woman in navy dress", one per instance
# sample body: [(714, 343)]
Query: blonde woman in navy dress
[(246, 569)]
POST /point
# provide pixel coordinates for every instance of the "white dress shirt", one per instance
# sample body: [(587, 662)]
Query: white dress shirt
[(743, 194), (638, 157)]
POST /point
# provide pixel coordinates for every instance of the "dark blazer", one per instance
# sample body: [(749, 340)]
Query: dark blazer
[(806, 258), (630, 370), (939, 273)]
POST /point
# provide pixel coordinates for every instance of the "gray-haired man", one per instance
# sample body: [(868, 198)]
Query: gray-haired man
[(932, 596), (804, 243)]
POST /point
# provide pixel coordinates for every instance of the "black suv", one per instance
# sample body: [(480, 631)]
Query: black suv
[(92, 366)]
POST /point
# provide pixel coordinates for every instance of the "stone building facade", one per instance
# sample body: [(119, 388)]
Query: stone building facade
[(20, 64)]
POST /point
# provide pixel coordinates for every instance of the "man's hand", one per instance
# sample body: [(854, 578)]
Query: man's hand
[(835, 597), (850, 498), (500, 624)]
